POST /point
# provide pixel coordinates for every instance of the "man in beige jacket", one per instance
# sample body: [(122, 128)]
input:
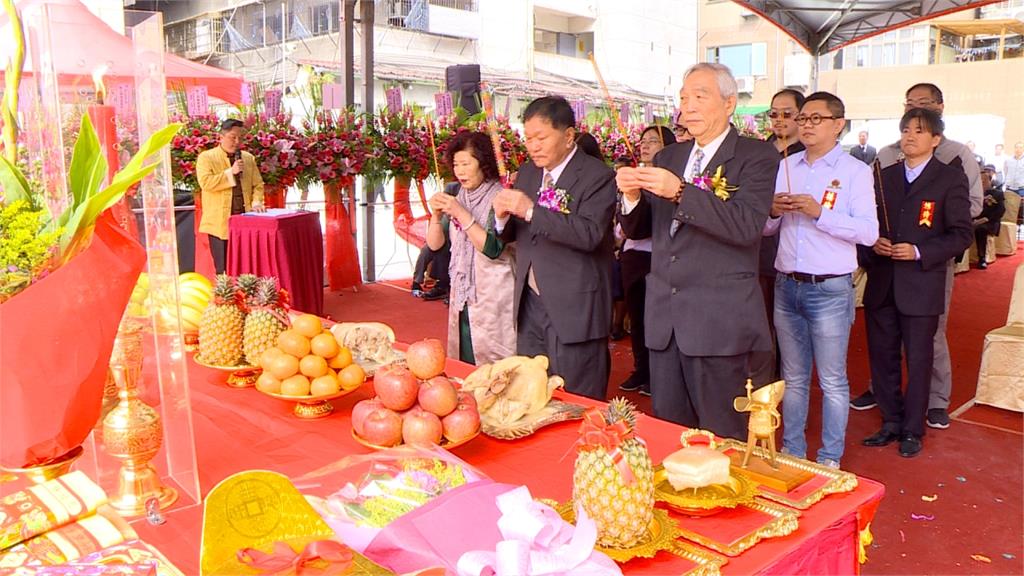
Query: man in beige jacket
[(231, 184)]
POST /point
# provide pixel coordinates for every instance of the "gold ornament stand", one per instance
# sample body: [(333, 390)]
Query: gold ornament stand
[(145, 454)]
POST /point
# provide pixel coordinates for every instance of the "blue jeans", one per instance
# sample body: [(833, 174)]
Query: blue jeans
[(812, 321)]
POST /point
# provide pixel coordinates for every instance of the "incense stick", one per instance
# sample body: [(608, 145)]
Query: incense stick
[(433, 146), (785, 163), (877, 169), (492, 131), (611, 106)]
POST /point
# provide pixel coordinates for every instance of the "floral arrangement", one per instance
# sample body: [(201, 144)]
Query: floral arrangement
[(753, 125), (611, 140), (513, 147), (198, 133), (26, 247), (278, 147), (402, 146), (336, 147)]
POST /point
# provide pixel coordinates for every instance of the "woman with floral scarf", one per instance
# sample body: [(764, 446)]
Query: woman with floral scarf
[(482, 268)]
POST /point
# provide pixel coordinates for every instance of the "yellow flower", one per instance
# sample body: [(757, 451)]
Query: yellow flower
[(720, 185)]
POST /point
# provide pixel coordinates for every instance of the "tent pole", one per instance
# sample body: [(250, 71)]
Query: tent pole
[(348, 53), (369, 259), (814, 68)]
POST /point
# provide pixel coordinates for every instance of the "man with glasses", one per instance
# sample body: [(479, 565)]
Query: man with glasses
[(704, 314), (929, 96), (824, 206), (764, 366)]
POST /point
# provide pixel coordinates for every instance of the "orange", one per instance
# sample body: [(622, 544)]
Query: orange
[(308, 325), (351, 377), (324, 385), (269, 353), (297, 385), (267, 383), (324, 345), (313, 366), (282, 366), (342, 359), (293, 343)]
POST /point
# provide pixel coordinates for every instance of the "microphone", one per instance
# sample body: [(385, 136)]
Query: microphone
[(236, 157)]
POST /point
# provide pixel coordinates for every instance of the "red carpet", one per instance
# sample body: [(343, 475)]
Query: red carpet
[(973, 468)]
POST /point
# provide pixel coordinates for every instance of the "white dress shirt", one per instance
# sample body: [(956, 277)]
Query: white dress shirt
[(709, 154)]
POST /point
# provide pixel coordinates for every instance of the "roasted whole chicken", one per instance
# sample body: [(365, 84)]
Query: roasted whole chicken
[(511, 388)]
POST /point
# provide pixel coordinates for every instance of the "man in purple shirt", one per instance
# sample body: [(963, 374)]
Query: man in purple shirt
[(824, 206)]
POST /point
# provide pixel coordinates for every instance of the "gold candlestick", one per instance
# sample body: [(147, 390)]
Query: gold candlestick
[(132, 432)]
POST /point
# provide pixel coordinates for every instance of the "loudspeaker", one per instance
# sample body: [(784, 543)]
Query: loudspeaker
[(464, 79)]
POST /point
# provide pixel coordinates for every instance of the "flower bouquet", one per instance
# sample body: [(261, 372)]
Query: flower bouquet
[(63, 292), (198, 133), (611, 140)]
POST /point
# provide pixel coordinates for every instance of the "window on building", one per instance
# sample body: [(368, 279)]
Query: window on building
[(563, 43), (742, 59), (323, 19)]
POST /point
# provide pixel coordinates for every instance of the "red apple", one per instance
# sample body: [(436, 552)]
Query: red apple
[(467, 398), (421, 427), (426, 358), (396, 387), (438, 396), (382, 427), (462, 423), (361, 410)]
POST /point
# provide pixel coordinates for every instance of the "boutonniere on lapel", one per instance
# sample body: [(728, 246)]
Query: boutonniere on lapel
[(828, 199), (717, 185), (927, 213), (555, 199)]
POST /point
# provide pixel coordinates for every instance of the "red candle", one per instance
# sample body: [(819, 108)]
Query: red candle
[(102, 117)]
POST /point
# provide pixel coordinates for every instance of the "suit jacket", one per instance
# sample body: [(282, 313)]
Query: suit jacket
[(865, 156), (919, 287), (213, 170), (571, 254), (703, 284)]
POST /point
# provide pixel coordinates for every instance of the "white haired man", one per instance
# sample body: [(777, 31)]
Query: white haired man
[(704, 204)]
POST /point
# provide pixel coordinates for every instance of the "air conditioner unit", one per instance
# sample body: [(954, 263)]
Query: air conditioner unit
[(745, 84)]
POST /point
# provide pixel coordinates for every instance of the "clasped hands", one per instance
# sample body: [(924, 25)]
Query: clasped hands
[(657, 181), (801, 203), (898, 251), (511, 202), (442, 203)]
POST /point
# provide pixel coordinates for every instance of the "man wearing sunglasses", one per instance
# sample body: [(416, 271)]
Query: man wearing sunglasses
[(824, 206), (951, 152)]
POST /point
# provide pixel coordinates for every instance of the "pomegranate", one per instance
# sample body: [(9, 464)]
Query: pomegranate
[(426, 358), (396, 387), (361, 410), (462, 423), (438, 396), (421, 427), (382, 427)]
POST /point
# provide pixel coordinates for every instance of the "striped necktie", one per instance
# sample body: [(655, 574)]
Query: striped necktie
[(698, 161)]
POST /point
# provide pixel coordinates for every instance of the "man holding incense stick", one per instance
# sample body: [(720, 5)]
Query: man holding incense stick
[(824, 206)]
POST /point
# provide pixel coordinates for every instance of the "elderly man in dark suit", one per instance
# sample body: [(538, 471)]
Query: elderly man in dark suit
[(704, 203), (924, 216), (560, 216), (863, 151)]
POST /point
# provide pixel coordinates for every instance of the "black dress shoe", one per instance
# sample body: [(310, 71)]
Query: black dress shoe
[(910, 445), (435, 293), (881, 438)]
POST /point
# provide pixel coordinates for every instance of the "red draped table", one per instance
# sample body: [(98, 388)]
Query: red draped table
[(239, 430), (288, 245)]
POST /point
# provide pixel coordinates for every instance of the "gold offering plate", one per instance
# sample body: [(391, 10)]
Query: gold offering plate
[(706, 500), (554, 412), (444, 442), (311, 407), (241, 376), (837, 483), (783, 523), (661, 535)]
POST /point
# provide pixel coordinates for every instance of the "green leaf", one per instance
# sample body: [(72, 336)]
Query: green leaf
[(88, 166), (157, 141), (14, 184)]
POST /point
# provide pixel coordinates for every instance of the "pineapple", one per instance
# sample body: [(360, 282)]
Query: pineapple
[(220, 329), (264, 322), (247, 284), (622, 512)]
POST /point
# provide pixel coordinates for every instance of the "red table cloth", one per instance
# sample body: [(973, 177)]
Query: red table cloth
[(289, 246), (239, 430)]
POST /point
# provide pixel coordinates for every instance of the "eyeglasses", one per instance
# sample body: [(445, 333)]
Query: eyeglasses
[(774, 114), (919, 103), (814, 119)]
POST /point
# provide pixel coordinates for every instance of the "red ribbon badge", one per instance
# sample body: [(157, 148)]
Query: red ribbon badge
[(828, 199), (595, 432), (927, 215), (320, 558)]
